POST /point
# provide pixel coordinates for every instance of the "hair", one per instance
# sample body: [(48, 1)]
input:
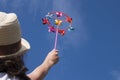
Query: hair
[(14, 66)]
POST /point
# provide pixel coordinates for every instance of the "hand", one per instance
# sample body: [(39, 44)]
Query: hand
[(52, 58)]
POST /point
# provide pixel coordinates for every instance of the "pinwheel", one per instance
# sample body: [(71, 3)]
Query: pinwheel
[(55, 22)]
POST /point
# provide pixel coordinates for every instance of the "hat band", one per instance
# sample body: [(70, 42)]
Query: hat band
[(10, 49)]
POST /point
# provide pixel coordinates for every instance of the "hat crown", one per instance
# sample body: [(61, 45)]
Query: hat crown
[(9, 29)]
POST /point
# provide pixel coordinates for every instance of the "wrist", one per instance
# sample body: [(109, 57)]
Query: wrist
[(46, 65)]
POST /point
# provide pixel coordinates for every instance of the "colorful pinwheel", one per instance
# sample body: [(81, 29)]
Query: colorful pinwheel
[(58, 22)]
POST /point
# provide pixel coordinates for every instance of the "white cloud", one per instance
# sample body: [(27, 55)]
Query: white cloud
[(39, 6), (29, 5), (3, 3), (116, 74), (79, 35), (13, 5)]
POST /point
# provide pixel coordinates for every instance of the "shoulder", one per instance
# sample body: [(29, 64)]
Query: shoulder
[(4, 76)]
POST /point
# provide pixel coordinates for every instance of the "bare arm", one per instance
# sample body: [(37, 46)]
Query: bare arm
[(41, 71)]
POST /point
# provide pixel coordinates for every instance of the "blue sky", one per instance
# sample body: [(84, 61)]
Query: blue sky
[(90, 52)]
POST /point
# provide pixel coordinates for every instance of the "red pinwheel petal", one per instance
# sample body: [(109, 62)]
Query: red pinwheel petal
[(69, 19), (62, 32)]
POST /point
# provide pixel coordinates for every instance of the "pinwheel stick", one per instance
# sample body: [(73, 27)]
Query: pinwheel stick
[(56, 38)]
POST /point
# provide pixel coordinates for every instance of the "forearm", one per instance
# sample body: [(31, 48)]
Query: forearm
[(40, 72)]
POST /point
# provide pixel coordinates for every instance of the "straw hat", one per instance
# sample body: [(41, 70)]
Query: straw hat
[(11, 43)]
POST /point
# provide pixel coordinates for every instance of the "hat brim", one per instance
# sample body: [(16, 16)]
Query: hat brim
[(25, 46)]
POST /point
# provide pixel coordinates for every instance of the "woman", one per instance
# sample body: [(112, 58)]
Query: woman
[(12, 50)]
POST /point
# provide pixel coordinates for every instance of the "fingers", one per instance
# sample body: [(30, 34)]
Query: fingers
[(55, 58), (52, 58), (54, 52)]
